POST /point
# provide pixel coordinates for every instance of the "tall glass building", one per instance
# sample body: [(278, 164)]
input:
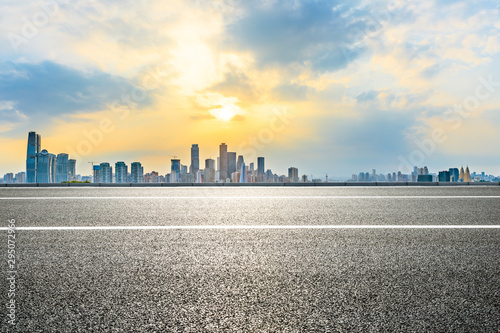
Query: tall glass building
[(175, 171), (61, 168), (106, 173), (34, 144), (121, 172), (137, 173), (45, 167), (231, 163), (223, 162), (195, 160), (71, 170), (260, 165), (96, 169)]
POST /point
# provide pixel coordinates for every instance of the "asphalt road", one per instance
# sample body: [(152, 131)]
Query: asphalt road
[(254, 280)]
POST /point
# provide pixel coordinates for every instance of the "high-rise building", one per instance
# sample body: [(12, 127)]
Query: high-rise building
[(209, 174), (444, 177), (240, 161), (260, 166), (467, 176), (61, 168), (175, 171), (106, 173), (461, 174), (293, 175), (96, 173), (195, 160), (223, 174), (423, 171), (34, 144), (454, 175), (20, 178), (231, 163), (45, 167), (137, 173), (8, 178), (121, 172), (71, 169), (243, 172)]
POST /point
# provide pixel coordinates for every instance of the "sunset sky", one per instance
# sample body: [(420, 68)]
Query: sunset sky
[(333, 87)]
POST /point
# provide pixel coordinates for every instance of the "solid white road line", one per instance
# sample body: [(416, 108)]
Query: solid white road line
[(242, 227), (265, 197)]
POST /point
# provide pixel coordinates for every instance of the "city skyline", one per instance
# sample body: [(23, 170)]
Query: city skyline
[(364, 84), (44, 167)]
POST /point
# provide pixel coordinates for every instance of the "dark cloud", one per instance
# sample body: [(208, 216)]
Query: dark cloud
[(51, 89), (319, 33), (323, 35)]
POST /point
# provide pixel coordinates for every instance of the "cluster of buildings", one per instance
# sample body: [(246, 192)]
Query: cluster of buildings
[(42, 166), (422, 174), (228, 167)]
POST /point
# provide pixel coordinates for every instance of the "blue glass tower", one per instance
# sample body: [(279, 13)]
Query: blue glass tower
[(34, 144)]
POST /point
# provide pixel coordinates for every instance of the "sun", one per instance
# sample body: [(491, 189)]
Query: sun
[(225, 113)]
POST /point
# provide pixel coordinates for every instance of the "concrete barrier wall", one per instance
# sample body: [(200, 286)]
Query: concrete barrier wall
[(331, 184)]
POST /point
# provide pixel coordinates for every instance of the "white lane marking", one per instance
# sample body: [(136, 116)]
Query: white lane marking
[(266, 197), (225, 227)]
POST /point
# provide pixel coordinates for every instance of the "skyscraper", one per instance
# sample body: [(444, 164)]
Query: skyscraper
[(293, 174), (8, 178), (444, 176), (61, 168), (241, 161), (195, 160), (121, 172), (209, 175), (34, 144), (454, 175), (243, 172), (467, 177), (260, 165), (462, 174), (21, 177), (96, 169), (45, 167), (106, 173), (231, 163), (175, 171), (137, 173), (223, 162), (71, 170)]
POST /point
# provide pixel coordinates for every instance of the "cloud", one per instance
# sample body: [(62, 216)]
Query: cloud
[(51, 89), (367, 96), (311, 33)]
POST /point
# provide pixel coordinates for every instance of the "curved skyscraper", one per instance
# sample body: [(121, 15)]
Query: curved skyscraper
[(45, 167), (34, 144)]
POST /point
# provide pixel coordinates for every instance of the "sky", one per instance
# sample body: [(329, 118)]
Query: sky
[(330, 87)]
